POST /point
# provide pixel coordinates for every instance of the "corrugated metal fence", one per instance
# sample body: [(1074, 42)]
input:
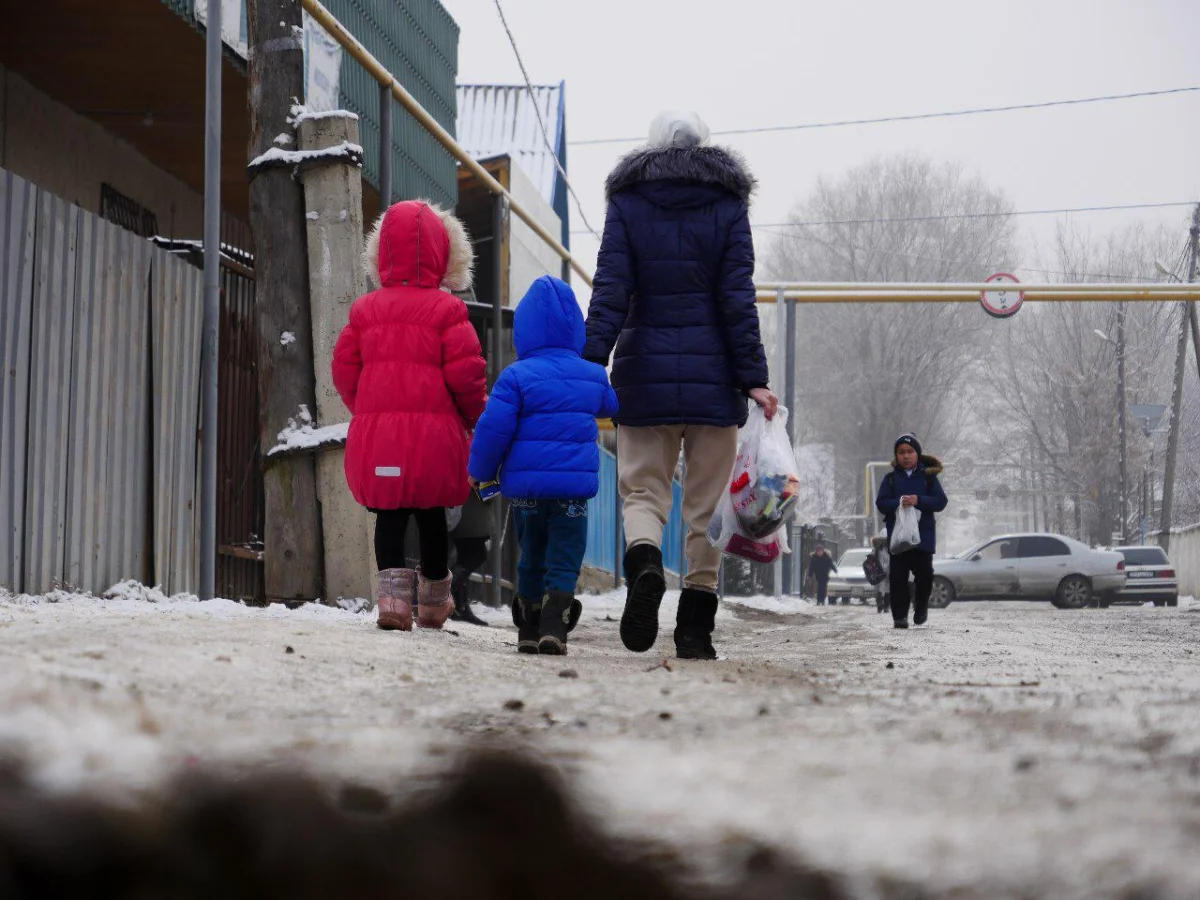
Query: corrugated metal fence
[(100, 335), (1185, 556)]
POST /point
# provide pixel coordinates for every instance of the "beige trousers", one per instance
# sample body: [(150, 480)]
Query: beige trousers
[(646, 459)]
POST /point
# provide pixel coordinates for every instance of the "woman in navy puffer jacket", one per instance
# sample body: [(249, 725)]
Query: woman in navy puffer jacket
[(674, 294)]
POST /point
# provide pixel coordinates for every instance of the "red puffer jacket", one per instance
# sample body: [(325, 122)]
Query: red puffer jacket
[(408, 365)]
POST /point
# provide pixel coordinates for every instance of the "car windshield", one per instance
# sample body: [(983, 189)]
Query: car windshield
[(1144, 556), (971, 551), (853, 558)]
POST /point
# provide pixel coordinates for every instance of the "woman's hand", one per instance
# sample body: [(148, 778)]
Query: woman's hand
[(473, 483), (765, 398), (908, 500)]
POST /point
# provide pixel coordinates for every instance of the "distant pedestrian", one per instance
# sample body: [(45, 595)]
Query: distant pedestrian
[(883, 591), (675, 297), (820, 564), (913, 482), (408, 367), (470, 539), (538, 438)]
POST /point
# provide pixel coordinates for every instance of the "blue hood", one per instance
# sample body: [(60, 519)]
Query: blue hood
[(548, 318)]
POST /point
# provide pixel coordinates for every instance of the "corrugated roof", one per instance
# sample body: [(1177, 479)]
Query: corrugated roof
[(495, 119)]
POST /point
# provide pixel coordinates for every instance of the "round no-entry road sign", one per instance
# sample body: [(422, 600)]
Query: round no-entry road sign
[(1003, 301)]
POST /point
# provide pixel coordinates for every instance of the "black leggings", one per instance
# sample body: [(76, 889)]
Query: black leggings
[(391, 525), (472, 552), (920, 565)]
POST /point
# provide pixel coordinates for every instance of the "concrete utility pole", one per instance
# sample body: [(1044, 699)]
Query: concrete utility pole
[(334, 225), (1177, 395), (293, 549)]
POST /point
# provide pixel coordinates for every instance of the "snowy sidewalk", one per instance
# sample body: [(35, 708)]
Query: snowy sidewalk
[(1008, 748)]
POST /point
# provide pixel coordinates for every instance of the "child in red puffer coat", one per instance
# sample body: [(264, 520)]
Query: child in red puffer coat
[(409, 368)]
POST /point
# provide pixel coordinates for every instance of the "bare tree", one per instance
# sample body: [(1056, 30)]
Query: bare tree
[(1058, 409), (866, 373)]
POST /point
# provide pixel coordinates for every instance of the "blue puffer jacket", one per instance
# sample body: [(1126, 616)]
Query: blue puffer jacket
[(674, 288), (930, 497), (539, 428)]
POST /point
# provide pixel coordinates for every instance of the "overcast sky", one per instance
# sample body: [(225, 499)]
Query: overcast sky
[(754, 63)]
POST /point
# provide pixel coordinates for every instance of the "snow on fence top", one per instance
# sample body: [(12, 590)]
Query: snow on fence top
[(302, 435)]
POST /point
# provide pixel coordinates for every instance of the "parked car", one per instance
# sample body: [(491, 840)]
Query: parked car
[(849, 582), (1030, 567), (1149, 575)]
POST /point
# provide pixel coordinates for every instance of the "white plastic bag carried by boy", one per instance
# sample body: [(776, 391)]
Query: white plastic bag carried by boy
[(760, 497), (906, 535)]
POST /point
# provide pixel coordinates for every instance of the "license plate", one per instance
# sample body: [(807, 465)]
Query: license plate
[(1140, 575)]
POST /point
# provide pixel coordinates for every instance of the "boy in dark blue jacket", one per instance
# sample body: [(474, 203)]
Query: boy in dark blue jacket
[(538, 437), (913, 481)]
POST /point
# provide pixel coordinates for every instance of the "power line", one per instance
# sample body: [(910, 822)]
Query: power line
[(916, 116), (966, 262), (980, 215), (541, 123)]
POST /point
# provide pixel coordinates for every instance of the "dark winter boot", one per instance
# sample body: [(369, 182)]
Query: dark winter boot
[(694, 624), (576, 612), (645, 584), (528, 619), (462, 606), (556, 615)]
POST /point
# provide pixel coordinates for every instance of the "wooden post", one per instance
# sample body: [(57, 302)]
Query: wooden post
[(293, 551)]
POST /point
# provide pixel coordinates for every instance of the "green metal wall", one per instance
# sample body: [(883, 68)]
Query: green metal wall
[(417, 41)]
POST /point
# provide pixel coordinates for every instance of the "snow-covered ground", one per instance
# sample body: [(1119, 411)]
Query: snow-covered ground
[(1008, 750)]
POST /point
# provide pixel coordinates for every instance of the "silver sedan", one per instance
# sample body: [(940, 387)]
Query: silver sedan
[(1030, 567)]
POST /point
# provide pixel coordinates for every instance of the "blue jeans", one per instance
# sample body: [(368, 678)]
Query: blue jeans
[(553, 538)]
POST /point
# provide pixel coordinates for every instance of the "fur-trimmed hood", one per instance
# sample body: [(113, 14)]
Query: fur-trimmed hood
[(933, 465), (706, 165), (418, 244)]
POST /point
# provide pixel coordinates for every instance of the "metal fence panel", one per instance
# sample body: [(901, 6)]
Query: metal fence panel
[(175, 308), (50, 391), (107, 477), (18, 214)]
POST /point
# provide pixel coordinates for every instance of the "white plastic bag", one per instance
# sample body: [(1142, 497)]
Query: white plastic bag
[(453, 517), (760, 496), (906, 534)]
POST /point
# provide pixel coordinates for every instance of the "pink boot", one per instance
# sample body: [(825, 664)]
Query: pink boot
[(395, 597), (434, 601)]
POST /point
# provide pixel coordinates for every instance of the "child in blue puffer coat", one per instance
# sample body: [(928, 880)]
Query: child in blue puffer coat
[(538, 437)]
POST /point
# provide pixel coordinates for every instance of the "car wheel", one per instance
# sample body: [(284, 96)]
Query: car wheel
[(1159, 602), (1074, 592), (942, 593), (1174, 601)]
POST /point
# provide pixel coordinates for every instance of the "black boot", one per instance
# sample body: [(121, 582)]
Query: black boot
[(576, 611), (645, 585), (528, 620), (556, 616), (694, 624), (462, 606)]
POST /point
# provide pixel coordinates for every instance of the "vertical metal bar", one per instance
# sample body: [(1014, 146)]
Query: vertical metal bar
[(789, 399), (779, 382), (566, 271), (212, 305), (616, 482), (1124, 485), (496, 352), (385, 147)]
